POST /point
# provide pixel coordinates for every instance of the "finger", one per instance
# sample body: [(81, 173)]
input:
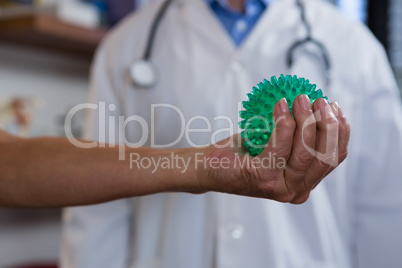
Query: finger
[(326, 143), (280, 143), (279, 149), (302, 196), (304, 140), (344, 132)]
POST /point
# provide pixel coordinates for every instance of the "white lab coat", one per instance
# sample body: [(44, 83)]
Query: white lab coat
[(352, 219)]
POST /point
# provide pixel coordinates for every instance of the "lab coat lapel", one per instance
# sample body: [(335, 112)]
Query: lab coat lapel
[(279, 17), (203, 21)]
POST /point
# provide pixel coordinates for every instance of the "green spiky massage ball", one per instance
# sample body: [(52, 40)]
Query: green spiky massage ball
[(258, 122)]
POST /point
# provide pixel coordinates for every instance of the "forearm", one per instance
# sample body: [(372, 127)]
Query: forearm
[(48, 172)]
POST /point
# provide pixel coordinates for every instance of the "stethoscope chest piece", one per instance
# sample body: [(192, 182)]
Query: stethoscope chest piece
[(143, 74)]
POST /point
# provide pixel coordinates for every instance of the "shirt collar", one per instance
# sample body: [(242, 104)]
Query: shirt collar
[(225, 3)]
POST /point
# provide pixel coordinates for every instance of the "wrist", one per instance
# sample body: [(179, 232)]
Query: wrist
[(203, 170), (179, 170), (194, 177)]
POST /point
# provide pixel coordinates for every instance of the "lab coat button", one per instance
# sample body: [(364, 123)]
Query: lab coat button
[(237, 66), (241, 26), (236, 230)]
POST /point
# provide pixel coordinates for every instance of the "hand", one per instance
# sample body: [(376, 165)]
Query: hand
[(300, 153)]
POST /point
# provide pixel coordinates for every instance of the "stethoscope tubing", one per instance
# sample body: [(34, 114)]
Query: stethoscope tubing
[(146, 58)]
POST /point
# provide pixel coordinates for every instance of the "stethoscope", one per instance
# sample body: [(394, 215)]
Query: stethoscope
[(144, 73)]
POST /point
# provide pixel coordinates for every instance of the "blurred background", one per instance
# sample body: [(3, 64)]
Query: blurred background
[(46, 48)]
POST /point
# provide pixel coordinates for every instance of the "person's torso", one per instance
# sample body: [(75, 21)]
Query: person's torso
[(204, 77)]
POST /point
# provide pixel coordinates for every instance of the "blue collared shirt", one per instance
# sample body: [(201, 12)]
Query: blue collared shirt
[(238, 24)]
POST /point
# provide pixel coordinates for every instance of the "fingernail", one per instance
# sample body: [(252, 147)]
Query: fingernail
[(283, 104), (340, 112), (334, 108), (304, 102), (325, 108), (281, 108), (322, 104)]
